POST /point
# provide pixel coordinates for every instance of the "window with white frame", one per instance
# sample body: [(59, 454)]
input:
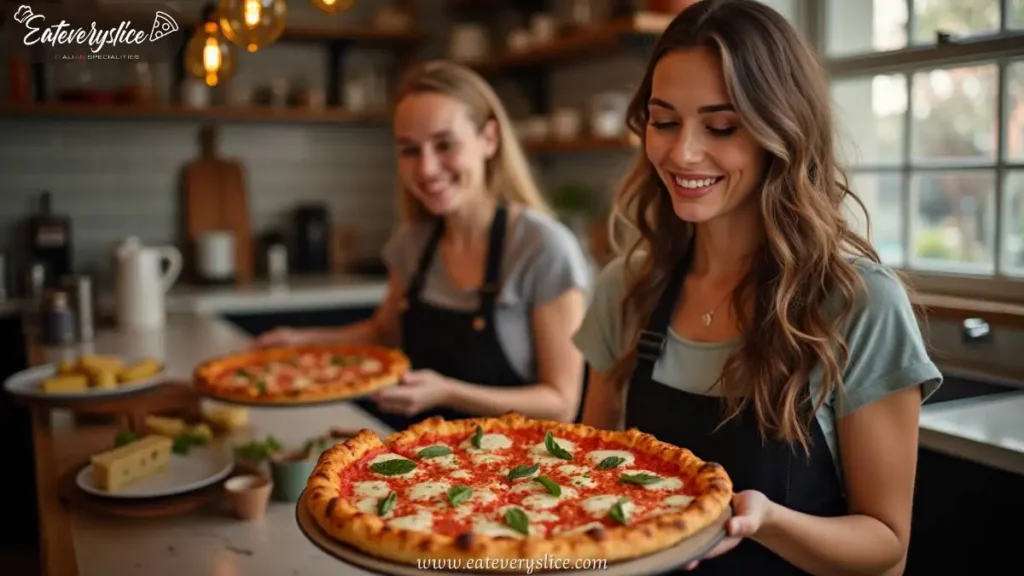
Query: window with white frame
[(929, 97)]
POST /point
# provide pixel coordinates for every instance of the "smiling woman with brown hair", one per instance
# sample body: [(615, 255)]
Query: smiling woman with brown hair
[(748, 321)]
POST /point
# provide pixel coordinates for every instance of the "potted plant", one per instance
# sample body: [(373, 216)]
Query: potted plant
[(256, 454)]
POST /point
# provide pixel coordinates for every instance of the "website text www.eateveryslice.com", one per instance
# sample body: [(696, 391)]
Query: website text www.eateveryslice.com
[(527, 565)]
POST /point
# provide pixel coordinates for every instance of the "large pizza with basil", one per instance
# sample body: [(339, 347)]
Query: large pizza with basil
[(513, 487), (301, 374)]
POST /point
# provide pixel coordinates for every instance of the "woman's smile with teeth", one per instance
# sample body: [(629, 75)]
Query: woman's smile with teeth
[(695, 183)]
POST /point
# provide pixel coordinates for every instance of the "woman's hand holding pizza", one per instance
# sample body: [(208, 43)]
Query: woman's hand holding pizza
[(418, 391)]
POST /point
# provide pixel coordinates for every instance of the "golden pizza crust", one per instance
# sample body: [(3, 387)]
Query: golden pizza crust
[(208, 374), (339, 518)]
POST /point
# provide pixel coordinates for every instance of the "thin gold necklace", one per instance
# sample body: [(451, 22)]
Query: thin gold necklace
[(709, 316)]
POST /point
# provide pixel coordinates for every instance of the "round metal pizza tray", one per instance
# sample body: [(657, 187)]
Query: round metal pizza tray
[(663, 562)]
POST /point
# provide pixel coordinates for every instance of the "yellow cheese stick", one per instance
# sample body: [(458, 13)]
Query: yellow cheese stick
[(140, 370), (169, 427), (112, 363), (76, 383), (202, 430), (117, 468), (227, 417), (101, 377)]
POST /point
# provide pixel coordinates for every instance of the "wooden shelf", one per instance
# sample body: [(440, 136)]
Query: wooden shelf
[(579, 145), (583, 42), (299, 33), (172, 112)]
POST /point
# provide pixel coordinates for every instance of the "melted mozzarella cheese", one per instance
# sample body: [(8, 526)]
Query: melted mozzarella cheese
[(488, 443), (504, 473), (666, 483), (495, 529), (371, 365), (597, 456), (530, 487), (428, 490), (369, 506), (486, 458), (419, 522), (392, 456), (539, 452), (581, 529), (598, 506), (544, 501), (678, 500), (532, 515), (461, 474), (376, 488)]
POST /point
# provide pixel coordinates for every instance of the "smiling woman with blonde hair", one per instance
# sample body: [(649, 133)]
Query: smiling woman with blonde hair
[(485, 287), (747, 320)]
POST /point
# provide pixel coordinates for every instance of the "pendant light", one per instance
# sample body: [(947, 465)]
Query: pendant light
[(253, 24), (332, 6), (208, 55)]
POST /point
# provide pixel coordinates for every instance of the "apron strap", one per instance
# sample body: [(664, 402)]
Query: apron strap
[(495, 248), (425, 258), (654, 336)]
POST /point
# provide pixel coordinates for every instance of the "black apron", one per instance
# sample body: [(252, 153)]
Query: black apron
[(783, 472), (458, 344)]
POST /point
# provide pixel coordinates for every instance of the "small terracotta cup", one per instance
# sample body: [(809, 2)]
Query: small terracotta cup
[(290, 472), (249, 495)]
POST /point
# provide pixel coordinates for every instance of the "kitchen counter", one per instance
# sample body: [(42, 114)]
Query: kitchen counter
[(986, 430), (204, 543), (297, 293)]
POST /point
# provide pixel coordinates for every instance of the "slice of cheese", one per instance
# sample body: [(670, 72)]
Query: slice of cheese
[(488, 443), (165, 426), (117, 468), (419, 522), (70, 383), (227, 417)]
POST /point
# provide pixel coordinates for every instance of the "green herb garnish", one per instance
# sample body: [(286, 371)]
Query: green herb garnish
[(639, 479), (611, 462), (434, 452), (393, 467), (477, 437), (256, 451), (522, 472), (548, 483), (243, 373), (516, 519), (459, 494), (553, 447), (124, 438), (261, 386), (185, 441), (617, 512), (386, 503)]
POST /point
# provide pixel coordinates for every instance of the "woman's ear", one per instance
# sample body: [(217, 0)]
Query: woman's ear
[(491, 135)]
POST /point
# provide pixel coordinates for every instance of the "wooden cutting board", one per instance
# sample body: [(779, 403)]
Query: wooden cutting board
[(215, 198)]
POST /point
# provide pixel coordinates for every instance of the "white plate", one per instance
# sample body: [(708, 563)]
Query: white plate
[(663, 562), (202, 466), (28, 383)]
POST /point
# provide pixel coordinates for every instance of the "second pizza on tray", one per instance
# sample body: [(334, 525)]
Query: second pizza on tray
[(301, 374), (512, 487)]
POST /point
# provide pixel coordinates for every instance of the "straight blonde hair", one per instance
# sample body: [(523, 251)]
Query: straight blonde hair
[(507, 174)]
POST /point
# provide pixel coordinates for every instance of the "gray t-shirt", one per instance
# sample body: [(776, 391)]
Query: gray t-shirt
[(541, 260), (886, 350)]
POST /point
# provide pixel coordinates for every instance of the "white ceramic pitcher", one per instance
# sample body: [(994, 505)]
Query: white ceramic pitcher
[(141, 282)]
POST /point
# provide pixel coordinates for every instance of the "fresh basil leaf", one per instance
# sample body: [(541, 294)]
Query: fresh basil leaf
[(393, 467), (477, 437), (639, 479), (617, 512), (516, 519), (387, 503), (261, 386), (548, 483), (553, 447), (611, 462), (434, 451), (338, 361), (522, 472), (459, 494), (243, 373)]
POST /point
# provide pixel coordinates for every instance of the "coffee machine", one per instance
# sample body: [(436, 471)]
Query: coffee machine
[(49, 242), (312, 239)]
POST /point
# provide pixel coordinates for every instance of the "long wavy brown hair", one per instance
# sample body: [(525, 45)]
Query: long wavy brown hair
[(779, 89)]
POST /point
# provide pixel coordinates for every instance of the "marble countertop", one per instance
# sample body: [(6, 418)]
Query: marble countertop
[(988, 430), (297, 293), (212, 542)]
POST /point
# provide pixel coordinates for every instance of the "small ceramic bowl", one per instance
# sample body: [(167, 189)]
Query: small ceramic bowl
[(249, 495), (291, 472)]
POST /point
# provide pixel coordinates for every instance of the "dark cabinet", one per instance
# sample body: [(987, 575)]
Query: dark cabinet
[(16, 430)]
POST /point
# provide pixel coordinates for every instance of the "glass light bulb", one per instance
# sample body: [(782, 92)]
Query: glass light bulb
[(208, 56), (252, 24), (332, 6)]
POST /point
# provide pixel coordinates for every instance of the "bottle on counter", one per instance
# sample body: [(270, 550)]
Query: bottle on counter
[(80, 290), (50, 241), (58, 320)]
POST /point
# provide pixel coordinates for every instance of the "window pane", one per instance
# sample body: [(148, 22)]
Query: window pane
[(880, 193), (1016, 14), (785, 7), (955, 111), (1013, 223), (957, 17), (870, 115), (1015, 110), (953, 224), (860, 26)]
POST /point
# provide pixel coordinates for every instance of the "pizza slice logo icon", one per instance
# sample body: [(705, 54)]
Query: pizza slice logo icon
[(163, 25), (23, 13)]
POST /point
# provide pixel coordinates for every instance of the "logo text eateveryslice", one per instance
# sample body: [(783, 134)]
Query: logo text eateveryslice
[(63, 33)]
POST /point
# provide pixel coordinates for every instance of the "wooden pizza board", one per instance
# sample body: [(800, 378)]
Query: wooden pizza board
[(663, 562)]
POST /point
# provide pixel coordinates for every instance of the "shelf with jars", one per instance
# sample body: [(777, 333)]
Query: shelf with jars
[(185, 67)]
